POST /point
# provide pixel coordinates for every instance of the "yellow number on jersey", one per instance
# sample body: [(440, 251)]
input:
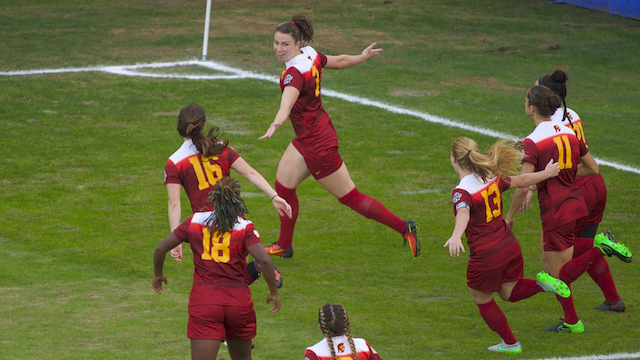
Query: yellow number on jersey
[(215, 247), (579, 130), (316, 73), (213, 172), (493, 190), (564, 152)]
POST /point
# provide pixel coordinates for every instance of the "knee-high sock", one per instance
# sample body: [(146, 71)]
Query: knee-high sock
[(372, 209), (599, 270), (575, 267), (494, 317), (525, 288), (569, 309), (287, 225)]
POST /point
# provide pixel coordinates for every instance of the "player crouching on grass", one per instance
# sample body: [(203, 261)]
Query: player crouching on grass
[(495, 259)]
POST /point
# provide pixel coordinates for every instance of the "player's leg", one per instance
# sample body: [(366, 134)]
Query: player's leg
[(239, 349), (292, 170), (203, 349), (240, 326), (553, 262), (340, 185), (495, 319)]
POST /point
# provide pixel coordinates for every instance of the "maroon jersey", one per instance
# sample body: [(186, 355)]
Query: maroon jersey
[(342, 349), (491, 242), (219, 260), (197, 174), (303, 72), (559, 197)]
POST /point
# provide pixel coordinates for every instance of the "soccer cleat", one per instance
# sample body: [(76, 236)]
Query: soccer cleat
[(506, 348), (563, 327), (275, 270), (278, 277), (275, 249), (411, 237), (553, 285), (617, 306), (604, 241)]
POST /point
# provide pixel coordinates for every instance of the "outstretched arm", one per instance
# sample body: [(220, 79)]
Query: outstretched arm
[(289, 97), (346, 61), (243, 168), (524, 180), (455, 241)]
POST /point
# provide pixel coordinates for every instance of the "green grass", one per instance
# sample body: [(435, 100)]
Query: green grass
[(82, 201)]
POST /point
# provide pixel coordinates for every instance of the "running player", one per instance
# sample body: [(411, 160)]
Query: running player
[(314, 150), (495, 260), (338, 344), (562, 208), (220, 305), (198, 164)]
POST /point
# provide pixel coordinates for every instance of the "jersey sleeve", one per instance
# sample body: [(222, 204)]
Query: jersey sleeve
[(373, 353), (461, 199), (583, 148), (293, 77), (530, 152), (504, 184), (233, 155), (323, 59), (171, 174), (310, 355), (181, 232), (251, 236)]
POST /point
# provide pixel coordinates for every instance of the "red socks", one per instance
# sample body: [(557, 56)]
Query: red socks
[(494, 317), (372, 209), (599, 270), (525, 288), (287, 225)]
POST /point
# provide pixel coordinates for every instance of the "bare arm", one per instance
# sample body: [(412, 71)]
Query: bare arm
[(588, 166), (519, 195), (455, 241), (524, 180), (263, 260), (289, 97), (346, 61), (175, 212), (159, 255), (243, 168)]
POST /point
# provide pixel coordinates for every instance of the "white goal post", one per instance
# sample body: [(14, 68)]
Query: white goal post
[(205, 40)]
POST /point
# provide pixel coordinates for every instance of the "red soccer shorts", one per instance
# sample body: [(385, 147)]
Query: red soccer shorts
[(320, 154), (221, 322), (564, 236), (594, 192), (491, 280)]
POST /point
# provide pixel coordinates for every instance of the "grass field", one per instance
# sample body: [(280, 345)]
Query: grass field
[(82, 200)]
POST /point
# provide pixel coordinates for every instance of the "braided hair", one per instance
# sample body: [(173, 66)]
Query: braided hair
[(334, 321), (191, 123), (228, 205)]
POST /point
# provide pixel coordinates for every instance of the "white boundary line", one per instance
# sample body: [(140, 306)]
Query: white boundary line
[(635, 355), (130, 70)]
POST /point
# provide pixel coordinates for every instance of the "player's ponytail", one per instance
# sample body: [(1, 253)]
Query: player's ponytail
[(228, 205), (557, 83), (299, 28), (334, 321), (191, 123), (501, 160)]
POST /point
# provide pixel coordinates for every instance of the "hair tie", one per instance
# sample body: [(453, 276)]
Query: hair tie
[(293, 22), (469, 153)]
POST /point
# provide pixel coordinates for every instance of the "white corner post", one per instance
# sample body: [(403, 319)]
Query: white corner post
[(205, 41)]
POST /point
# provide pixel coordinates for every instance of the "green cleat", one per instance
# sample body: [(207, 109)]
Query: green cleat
[(563, 327), (506, 348), (552, 285), (609, 247)]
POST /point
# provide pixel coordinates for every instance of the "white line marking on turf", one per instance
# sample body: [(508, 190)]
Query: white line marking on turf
[(129, 70), (635, 355)]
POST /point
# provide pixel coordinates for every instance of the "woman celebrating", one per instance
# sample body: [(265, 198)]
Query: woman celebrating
[(338, 342), (199, 163), (562, 208), (314, 150), (495, 261), (220, 305)]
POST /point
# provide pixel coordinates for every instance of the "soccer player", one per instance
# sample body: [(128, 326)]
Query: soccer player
[(220, 305), (562, 208), (338, 343), (495, 259), (594, 192), (314, 150), (198, 164)]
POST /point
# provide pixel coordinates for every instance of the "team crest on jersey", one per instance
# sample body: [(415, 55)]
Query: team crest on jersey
[(569, 116), (556, 128), (456, 197), (287, 79), (341, 347), (255, 232)]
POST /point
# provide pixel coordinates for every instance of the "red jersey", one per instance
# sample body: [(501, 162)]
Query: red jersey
[(559, 197), (219, 260), (303, 72), (320, 351), (491, 242), (197, 174)]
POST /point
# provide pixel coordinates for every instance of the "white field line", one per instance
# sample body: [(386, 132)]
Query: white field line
[(130, 70), (635, 355)]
